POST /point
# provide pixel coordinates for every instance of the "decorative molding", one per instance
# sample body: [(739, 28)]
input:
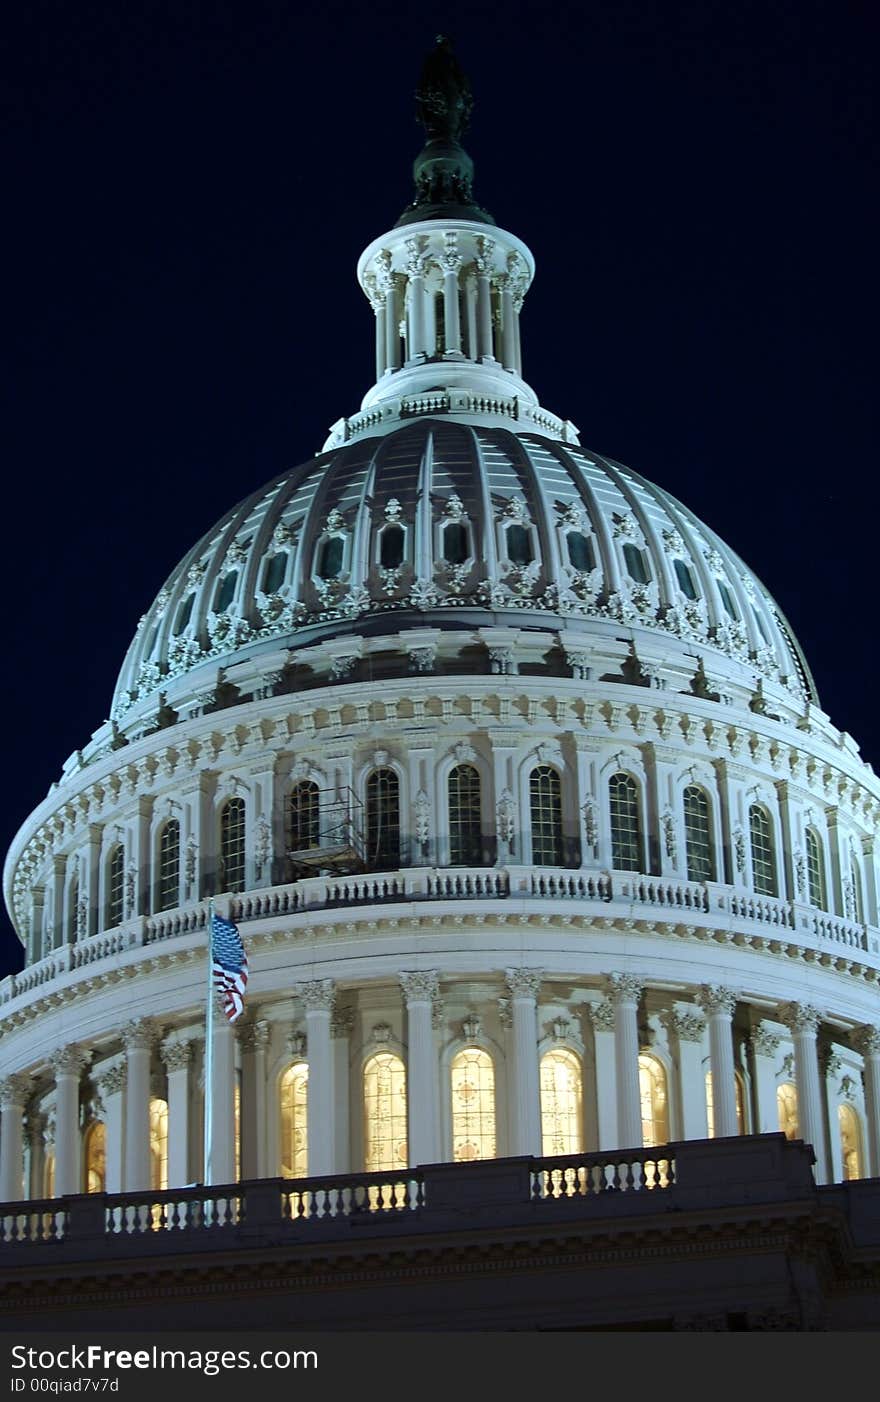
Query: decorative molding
[(420, 986), (866, 1039), (688, 1026), (176, 1053), (297, 1044), (318, 995), (471, 1027), (800, 1017), (523, 983), (342, 1022), (716, 1000), (14, 1091), (601, 1016), (381, 1033), (764, 1041), (70, 1061), (624, 988)]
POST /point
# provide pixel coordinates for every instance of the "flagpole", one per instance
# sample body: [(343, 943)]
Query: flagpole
[(209, 1054)]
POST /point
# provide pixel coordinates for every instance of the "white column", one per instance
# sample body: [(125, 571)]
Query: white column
[(470, 311), (602, 1018), (804, 1021), (764, 1046), (718, 1004), (866, 1039), (625, 991), (111, 1085), (508, 330), (317, 996), (416, 257), (223, 1094), (340, 1030), (420, 991), (689, 1027), (13, 1093), (483, 260), (525, 1132), (254, 1039), (451, 262), (177, 1056), (392, 322), (829, 1071), (68, 1065), (137, 1038)]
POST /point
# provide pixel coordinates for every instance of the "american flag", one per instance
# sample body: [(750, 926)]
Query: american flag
[(229, 964)]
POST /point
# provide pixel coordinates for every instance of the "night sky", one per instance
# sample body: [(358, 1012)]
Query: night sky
[(187, 189)]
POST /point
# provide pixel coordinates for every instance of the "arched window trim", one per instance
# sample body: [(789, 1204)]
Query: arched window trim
[(557, 769), (810, 831), (531, 529), (711, 828), (268, 567), (639, 782), (340, 533), (477, 857), (487, 1043), (372, 1051), (774, 848), (315, 792), (223, 803), (114, 911), (161, 829), (402, 804), (384, 529)]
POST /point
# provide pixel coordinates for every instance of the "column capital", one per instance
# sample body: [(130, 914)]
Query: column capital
[(800, 1017), (342, 1022), (253, 1035), (420, 986), (318, 994), (70, 1061), (112, 1080), (14, 1090), (624, 988), (687, 1026), (866, 1039), (139, 1034), (176, 1053), (764, 1040), (297, 1044), (601, 1015), (716, 1000), (523, 983)]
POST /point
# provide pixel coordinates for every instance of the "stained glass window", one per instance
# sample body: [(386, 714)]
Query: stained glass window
[(473, 1106), (635, 564), (519, 545), (385, 1141), (273, 574), (226, 591), (685, 579), (158, 1144), (391, 543), (655, 1108), (580, 552), (330, 558), (294, 1095), (561, 1103), (456, 545)]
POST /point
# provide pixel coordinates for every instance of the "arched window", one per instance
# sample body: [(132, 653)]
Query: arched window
[(273, 573), (636, 564), (465, 837), (383, 819), (184, 614), (561, 1103), (763, 864), (727, 600), (787, 1110), (304, 815), (815, 870), (655, 1105), (158, 1144), (685, 579), (472, 1077), (391, 543), (330, 557), (96, 1157), (545, 805), (850, 1142), (385, 1144), (626, 833), (72, 905), (294, 1105), (169, 865), (226, 591), (519, 545), (739, 1101), (116, 885), (580, 552), (232, 827), (698, 835), (456, 543)]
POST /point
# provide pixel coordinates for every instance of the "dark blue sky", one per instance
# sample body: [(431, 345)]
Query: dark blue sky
[(187, 189)]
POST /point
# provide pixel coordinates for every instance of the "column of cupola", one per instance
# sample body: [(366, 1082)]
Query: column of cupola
[(483, 265), (719, 1005), (318, 997), (253, 1037), (90, 879), (764, 1045), (525, 1130), (56, 910), (68, 1066), (223, 1083), (791, 822), (417, 318), (803, 1022), (138, 1037), (450, 263), (687, 1025), (420, 991)]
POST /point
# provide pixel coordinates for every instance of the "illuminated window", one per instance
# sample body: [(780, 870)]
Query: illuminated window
[(273, 574), (545, 805), (698, 835), (787, 1110), (626, 836), (184, 615), (685, 579), (465, 837), (519, 545), (850, 1142), (158, 1144), (330, 557), (636, 565), (763, 865), (383, 819), (232, 830), (561, 1103), (391, 543), (384, 1113), (304, 815), (655, 1108), (49, 1174), (580, 552), (739, 1100), (169, 865), (115, 885), (96, 1157), (294, 1098), (226, 591), (473, 1105), (815, 870), (456, 545)]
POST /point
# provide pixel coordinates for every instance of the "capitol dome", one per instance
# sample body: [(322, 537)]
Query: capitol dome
[(509, 771)]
